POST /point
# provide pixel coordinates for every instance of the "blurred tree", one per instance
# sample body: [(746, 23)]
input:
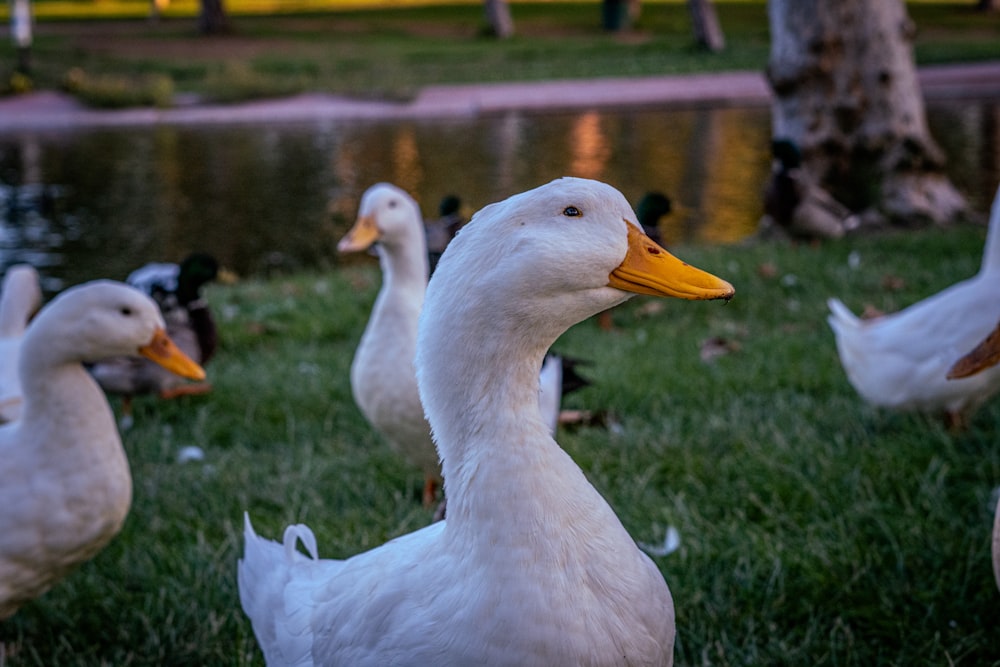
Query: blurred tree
[(846, 92), (213, 19), (498, 20), (707, 31)]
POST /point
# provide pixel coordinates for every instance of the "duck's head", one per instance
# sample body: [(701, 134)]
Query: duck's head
[(787, 152), (449, 205), (652, 207), (103, 319), (555, 255), (387, 215), (197, 270)]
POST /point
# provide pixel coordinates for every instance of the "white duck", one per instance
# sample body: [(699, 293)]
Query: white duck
[(65, 486), (899, 361), (531, 567), (984, 356), (20, 298), (383, 378)]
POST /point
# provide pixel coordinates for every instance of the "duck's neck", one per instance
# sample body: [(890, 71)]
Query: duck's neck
[(504, 474), (404, 264), (14, 309), (991, 250), (401, 298), (63, 405)]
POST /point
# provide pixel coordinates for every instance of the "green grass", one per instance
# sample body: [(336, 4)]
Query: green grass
[(393, 52), (815, 530)]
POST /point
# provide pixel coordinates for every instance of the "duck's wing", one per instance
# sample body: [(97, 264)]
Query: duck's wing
[(307, 610)]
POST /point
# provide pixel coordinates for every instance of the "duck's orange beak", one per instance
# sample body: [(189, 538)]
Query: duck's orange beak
[(163, 351), (361, 236), (649, 269)]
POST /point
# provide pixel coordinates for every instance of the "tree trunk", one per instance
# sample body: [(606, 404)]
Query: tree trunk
[(213, 19), (846, 92), (498, 20), (707, 31), (986, 5), (615, 15)]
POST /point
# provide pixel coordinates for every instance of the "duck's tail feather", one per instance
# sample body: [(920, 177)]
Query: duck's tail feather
[(264, 574), (841, 318)]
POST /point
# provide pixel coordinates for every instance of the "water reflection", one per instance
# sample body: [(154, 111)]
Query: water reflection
[(97, 203)]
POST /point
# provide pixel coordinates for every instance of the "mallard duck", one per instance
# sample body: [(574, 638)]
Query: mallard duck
[(796, 206), (441, 231), (653, 206), (20, 297), (984, 356), (65, 486), (900, 361), (176, 288), (531, 566)]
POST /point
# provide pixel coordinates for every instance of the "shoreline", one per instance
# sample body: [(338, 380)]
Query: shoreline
[(55, 110)]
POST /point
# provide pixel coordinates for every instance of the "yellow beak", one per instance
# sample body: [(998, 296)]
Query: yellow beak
[(361, 236), (649, 269), (163, 351), (985, 355)]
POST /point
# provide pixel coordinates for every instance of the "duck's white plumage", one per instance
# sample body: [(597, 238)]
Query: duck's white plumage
[(900, 360), (65, 486), (383, 378), (20, 297), (531, 567)]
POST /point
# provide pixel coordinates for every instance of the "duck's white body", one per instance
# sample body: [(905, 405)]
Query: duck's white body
[(901, 360), (531, 567), (65, 486), (20, 297)]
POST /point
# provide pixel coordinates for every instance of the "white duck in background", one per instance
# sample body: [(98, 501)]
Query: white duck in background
[(383, 379), (900, 360), (20, 298), (531, 566), (984, 356), (382, 376), (65, 485)]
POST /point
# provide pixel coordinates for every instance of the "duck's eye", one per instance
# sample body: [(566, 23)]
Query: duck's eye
[(125, 310), (572, 212), (392, 203)]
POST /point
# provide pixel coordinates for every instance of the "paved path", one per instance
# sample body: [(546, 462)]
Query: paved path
[(50, 110)]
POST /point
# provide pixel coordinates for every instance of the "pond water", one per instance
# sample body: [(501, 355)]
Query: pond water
[(91, 203)]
